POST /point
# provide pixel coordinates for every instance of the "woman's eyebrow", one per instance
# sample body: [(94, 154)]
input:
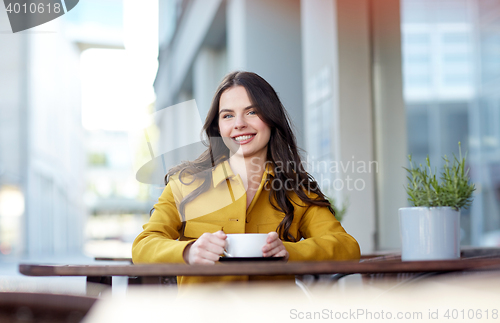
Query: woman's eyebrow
[(229, 110)]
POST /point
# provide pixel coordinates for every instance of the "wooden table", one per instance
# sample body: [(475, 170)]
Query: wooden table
[(263, 268), (472, 260)]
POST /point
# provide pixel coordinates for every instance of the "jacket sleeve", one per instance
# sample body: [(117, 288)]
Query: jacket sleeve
[(158, 241), (324, 238)]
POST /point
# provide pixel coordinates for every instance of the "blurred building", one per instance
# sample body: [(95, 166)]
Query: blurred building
[(117, 204), (53, 173), (366, 82), (116, 54), (41, 142)]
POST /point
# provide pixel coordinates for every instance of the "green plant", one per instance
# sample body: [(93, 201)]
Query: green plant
[(339, 212), (453, 189)]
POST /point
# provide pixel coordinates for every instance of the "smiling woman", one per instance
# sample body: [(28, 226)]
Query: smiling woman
[(234, 187)]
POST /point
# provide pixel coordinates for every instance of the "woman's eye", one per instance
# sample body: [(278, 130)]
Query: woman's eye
[(227, 116), (252, 112)]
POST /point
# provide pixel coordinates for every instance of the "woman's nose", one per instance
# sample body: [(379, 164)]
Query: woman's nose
[(240, 122)]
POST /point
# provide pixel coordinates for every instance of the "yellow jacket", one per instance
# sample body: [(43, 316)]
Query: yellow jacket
[(223, 207)]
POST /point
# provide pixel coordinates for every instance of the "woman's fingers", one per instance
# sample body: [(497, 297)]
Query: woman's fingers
[(274, 251), (219, 238), (206, 255), (281, 253), (274, 247), (272, 242), (272, 236), (207, 248), (202, 261), (212, 242), (271, 246)]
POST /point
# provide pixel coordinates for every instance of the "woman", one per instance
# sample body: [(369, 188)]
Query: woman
[(249, 180)]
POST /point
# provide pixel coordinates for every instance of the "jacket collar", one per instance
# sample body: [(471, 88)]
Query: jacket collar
[(223, 171)]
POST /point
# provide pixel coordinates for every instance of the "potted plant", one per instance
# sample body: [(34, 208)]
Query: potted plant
[(430, 229)]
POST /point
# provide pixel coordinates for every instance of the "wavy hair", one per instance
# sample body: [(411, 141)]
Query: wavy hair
[(282, 150)]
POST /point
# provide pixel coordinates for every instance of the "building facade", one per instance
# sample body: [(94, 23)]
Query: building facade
[(41, 143)]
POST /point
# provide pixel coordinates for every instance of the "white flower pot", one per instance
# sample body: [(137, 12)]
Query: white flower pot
[(429, 233)]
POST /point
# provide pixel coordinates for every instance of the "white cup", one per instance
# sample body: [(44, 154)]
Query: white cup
[(245, 244)]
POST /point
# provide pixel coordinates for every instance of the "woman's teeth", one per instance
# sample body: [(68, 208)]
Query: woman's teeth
[(240, 138)]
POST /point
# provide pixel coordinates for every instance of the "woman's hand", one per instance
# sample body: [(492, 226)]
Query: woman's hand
[(206, 249), (274, 247)]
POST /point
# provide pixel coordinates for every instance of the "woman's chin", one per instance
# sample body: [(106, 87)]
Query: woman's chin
[(235, 149), (237, 153)]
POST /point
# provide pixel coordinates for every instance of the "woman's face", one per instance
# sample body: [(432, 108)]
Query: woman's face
[(240, 126)]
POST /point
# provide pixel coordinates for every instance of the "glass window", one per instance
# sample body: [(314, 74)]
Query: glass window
[(461, 68)]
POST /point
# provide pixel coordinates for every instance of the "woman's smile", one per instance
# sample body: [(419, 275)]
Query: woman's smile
[(244, 139)]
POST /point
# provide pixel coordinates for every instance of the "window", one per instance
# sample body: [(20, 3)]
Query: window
[(451, 70)]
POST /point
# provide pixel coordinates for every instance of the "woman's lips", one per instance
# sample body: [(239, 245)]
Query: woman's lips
[(244, 141)]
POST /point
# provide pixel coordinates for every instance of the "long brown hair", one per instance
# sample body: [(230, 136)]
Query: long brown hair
[(282, 150)]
